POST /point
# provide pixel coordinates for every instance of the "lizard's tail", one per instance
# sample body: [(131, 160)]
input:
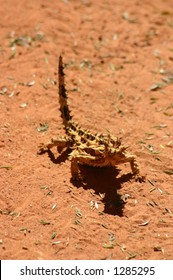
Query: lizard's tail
[(65, 112)]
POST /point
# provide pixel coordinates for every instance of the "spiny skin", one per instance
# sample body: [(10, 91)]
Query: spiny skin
[(87, 148)]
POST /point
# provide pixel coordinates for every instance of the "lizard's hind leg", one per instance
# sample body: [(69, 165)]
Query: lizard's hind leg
[(60, 142)]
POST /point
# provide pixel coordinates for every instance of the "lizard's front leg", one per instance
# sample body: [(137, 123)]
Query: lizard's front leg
[(135, 168), (75, 169), (78, 157)]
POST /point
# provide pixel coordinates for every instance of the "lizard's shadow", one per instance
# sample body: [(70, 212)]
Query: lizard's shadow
[(61, 158), (103, 181)]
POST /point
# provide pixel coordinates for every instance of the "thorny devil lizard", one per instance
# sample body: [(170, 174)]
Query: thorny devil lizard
[(87, 148)]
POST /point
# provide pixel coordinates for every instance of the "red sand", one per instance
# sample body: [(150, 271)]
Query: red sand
[(120, 78)]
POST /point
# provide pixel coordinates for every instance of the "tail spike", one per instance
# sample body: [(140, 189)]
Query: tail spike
[(65, 112)]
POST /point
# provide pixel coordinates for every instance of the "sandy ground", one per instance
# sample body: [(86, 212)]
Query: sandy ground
[(119, 75)]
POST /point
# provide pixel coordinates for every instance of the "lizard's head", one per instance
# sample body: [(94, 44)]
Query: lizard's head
[(113, 149)]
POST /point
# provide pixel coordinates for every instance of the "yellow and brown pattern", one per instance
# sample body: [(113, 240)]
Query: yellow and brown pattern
[(87, 148)]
